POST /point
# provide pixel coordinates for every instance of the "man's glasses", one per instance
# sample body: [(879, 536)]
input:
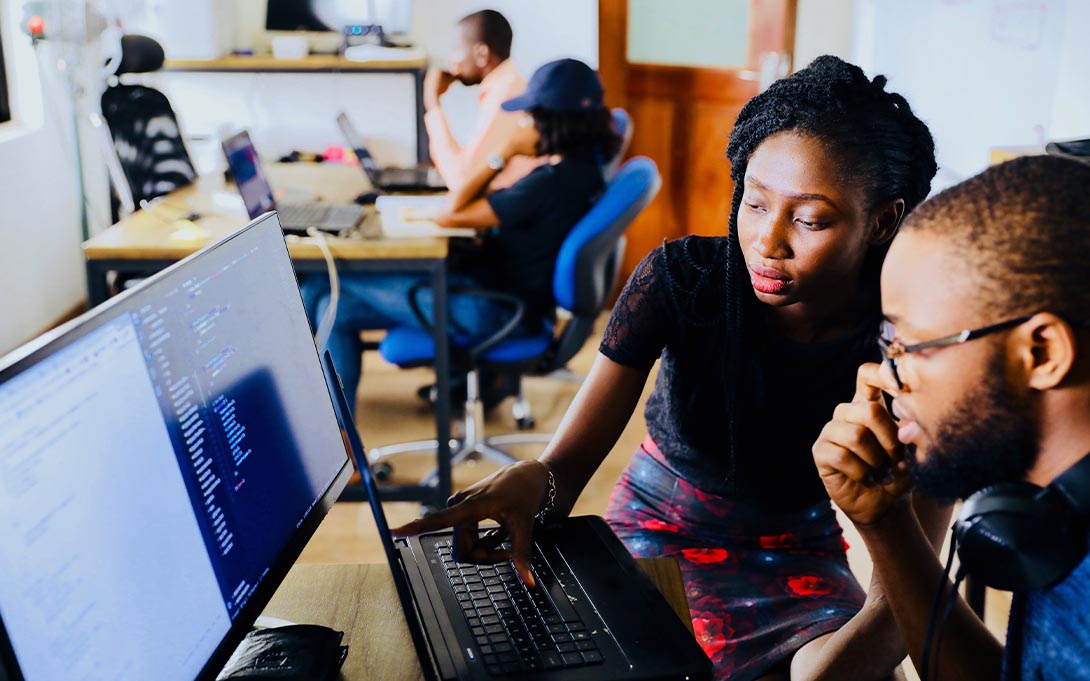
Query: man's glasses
[(893, 349)]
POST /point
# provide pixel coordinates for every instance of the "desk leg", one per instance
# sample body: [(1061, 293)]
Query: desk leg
[(98, 290), (423, 156), (442, 382)]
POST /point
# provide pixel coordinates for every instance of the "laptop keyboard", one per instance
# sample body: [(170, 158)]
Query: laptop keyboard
[(518, 629), (335, 218)]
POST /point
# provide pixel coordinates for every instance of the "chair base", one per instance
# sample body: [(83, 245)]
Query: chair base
[(472, 445)]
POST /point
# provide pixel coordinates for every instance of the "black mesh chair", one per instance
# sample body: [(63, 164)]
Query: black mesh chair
[(143, 127)]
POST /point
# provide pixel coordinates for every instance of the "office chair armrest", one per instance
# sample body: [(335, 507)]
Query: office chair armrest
[(487, 344)]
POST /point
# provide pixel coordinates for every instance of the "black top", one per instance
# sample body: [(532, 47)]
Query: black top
[(673, 306), (536, 214)]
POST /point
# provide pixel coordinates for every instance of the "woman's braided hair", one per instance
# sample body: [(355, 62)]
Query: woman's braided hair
[(877, 142)]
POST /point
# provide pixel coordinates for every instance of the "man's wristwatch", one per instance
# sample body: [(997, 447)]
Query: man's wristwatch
[(496, 162)]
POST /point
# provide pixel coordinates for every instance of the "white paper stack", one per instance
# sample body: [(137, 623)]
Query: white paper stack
[(408, 217)]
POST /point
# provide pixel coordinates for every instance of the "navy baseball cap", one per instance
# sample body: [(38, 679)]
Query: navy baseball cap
[(562, 85)]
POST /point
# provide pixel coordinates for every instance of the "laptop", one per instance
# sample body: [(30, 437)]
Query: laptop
[(418, 179), (164, 458), (594, 615), (257, 194)]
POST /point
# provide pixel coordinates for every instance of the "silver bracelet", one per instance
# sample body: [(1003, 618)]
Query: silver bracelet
[(550, 500)]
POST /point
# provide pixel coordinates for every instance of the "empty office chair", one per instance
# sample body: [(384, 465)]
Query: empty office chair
[(585, 276), (146, 137), (622, 125)]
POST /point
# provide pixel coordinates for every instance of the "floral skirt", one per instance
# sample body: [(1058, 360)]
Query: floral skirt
[(759, 586)]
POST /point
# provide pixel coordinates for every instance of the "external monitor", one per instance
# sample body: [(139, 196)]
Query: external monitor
[(163, 460)]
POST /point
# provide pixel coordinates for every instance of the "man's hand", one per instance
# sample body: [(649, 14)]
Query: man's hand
[(858, 456), (436, 82)]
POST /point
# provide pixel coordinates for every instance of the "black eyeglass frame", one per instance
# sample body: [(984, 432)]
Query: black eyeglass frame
[(893, 349)]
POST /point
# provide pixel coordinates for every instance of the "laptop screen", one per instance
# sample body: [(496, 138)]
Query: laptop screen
[(355, 140), (249, 177), (162, 462)]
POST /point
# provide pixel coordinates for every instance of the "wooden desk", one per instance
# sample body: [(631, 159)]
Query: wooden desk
[(318, 63), (151, 240), (361, 601)]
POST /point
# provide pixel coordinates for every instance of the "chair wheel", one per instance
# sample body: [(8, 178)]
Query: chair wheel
[(525, 423), (382, 471)]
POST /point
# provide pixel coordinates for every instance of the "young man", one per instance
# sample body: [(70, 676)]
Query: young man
[(481, 56), (1004, 254)]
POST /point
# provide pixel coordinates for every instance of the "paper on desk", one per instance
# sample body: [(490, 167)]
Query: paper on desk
[(393, 227), (424, 207)]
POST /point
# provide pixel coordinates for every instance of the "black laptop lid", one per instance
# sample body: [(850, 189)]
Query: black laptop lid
[(165, 458), (355, 140)]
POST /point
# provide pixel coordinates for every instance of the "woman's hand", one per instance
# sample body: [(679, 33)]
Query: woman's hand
[(511, 496), (858, 456)]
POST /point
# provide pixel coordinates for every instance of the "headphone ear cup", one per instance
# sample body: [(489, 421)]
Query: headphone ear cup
[(1012, 539)]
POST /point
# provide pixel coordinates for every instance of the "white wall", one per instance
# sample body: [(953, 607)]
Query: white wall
[(982, 73), (823, 27), (41, 266)]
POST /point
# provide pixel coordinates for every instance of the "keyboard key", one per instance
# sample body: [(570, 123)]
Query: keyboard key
[(561, 638), (504, 648), (576, 626), (592, 656), (494, 669), (566, 647), (557, 629), (511, 668), (486, 650), (551, 660), (497, 638), (552, 619), (489, 620), (580, 636), (571, 659), (585, 645), (486, 611), (482, 640), (493, 629), (473, 621)]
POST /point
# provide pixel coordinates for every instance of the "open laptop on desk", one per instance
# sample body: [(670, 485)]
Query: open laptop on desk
[(257, 194), (418, 179), (165, 458), (594, 615)]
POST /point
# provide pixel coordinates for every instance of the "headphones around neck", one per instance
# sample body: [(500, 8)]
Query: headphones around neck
[(1016, 536)]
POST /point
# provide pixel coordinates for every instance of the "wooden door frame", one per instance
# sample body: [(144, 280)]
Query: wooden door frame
[(771, 29)]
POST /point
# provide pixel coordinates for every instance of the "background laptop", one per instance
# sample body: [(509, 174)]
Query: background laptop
[(594, 615), (165, 458), (257, 194), (421, 178)]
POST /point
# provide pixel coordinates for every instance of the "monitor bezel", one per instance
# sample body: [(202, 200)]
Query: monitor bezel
[(34, 351)]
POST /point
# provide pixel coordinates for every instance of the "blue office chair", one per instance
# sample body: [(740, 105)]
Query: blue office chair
[(622, 125), (586, 274)]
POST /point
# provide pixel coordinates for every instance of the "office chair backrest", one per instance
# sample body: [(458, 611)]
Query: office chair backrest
[(622, 125), (589, 257), (144, 128)]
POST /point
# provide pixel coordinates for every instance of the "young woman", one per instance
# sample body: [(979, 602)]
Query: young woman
[(569, 129), (759, 334)]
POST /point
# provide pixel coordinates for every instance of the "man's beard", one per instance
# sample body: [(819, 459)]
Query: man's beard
[(987, 439)]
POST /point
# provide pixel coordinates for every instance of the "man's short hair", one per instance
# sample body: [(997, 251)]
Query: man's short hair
[(491, 28), (1023, 227)]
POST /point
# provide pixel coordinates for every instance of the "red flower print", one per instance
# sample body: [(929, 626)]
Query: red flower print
[(656, 525), (711, 633), (809, 585), (779, 541), (704, 556)]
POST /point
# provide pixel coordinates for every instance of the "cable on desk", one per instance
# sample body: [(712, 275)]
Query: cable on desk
[(325, 328)]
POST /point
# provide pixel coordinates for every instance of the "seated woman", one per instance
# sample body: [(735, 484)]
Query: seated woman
[(522, 227), (759, 334)]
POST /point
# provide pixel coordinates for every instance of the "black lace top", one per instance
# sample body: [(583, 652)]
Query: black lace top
[(673, 307)]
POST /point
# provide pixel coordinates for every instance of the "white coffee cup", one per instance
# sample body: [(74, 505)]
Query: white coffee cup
[(289, 47)]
